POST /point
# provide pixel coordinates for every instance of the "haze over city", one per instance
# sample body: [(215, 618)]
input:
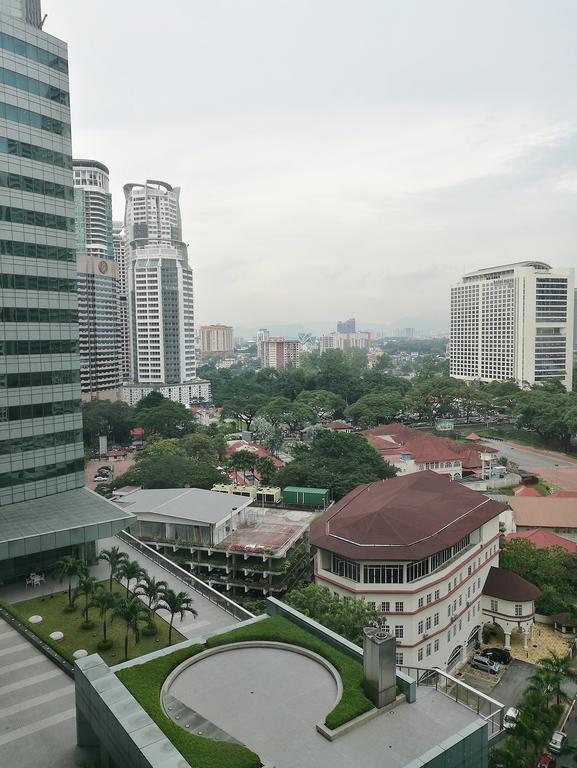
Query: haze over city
[(336, 158)]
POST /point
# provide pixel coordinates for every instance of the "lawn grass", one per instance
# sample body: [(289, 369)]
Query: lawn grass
[(50, 607)]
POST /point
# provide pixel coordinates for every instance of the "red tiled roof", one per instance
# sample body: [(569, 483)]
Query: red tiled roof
[(526, 490), (405, 518), (338, 425), (256, 448), (472, 436), (507, 585), (543, 539), (424, 447)]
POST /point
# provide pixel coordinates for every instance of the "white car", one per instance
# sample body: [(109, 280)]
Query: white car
[(510, 719), (557, 742)]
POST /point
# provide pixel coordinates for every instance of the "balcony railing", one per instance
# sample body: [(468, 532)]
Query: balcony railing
[(487, 708)]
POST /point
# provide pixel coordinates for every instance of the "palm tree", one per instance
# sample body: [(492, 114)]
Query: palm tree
[(176, 602), (114, 557), (153, 591), (541, 683), (129, 570), (86, 586), (104, 601), (559, 668), (70, 567), (131, 611)]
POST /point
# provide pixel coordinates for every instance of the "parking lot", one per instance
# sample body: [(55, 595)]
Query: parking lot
[(119, 467), (507, 687)]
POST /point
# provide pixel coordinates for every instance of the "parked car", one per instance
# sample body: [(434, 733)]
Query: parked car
[(558, 741), (485, 664), (502, 655), (510, 719), (105, 467), (546, 761)]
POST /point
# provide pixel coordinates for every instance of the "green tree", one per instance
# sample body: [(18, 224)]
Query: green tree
[(375, 408), (169, 419), (295, 414), (176, 603), (346, 617), (266, 469), (104, 600), (114, 557), (130, 570), (324, 404), (86, 586), (131, 611), (242, 461), (152, 400), (153, 591), (244, 408), (203, 447), (336, 461), (70, 568), (559, 668)]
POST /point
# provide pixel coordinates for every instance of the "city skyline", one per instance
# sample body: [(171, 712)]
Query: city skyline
[(399, 148)]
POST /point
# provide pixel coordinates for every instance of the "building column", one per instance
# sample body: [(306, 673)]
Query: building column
[(526, 638), (480, 634), (507, 640)]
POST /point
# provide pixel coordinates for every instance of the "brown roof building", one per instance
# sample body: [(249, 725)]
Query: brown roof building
[(405, 518), (425, 448)]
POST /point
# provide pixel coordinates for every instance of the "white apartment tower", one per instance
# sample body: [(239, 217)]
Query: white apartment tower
[(159, 286), (97, 281), (121, 300), (513, 322)]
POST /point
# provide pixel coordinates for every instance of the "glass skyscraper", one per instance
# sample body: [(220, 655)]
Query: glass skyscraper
[(41, 449)]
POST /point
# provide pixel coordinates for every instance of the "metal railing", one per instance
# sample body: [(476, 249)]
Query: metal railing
[(234, 609), (487, 708)]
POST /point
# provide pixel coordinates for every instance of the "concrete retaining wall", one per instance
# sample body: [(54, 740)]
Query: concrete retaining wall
[(468, 747)]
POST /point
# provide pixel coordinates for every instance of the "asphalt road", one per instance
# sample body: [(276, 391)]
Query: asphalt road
[(529, 457)]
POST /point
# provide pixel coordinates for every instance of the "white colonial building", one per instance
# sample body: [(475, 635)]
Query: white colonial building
[(420, 549)]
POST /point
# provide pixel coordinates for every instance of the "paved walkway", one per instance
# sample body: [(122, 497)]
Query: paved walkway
[(37, 712)]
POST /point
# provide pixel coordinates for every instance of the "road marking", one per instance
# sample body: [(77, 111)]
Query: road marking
[(36, 701), (27, 730), (11, 687), (14, 648), (20, 664)]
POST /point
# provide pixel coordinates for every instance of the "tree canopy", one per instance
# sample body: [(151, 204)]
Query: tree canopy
[(336, 461)]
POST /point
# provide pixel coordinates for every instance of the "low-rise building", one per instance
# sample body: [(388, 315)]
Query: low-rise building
[(412, 450), (553, 514), (223, 540), (543, 539), (188, 393), (419, 549)]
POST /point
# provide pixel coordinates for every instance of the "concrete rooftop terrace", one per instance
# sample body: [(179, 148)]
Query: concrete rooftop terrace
[(271, 699)]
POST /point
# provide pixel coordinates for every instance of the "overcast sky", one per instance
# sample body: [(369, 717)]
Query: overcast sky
[(336, 157)]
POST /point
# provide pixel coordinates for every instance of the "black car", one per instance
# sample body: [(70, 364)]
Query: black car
[(502, 655)]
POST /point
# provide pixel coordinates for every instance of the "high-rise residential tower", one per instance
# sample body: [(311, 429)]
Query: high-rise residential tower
[(118, 247), (97, 281), (513, 322), (159, 284), (44, 510), (347, 326), (216, 340)]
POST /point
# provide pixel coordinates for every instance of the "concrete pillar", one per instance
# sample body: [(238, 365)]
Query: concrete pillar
[(525, 639), (480, 635), (507, 639), (379, 666)]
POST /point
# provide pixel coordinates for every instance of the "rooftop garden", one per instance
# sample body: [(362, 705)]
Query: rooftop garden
[(118, 621), (145, 682)]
